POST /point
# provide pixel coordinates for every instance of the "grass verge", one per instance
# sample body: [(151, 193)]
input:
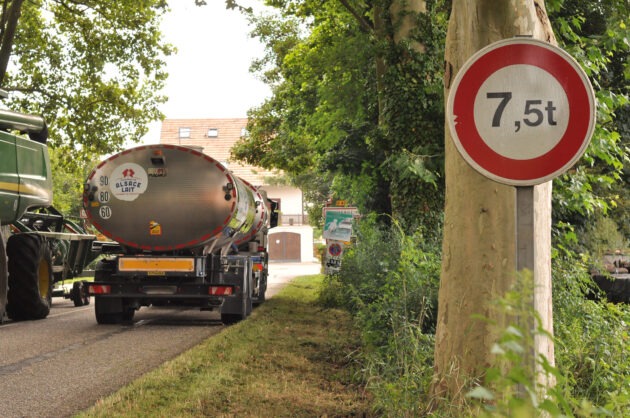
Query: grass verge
[(290, 358)]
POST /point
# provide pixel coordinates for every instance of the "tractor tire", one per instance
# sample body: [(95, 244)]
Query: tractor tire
[(30, 277), (79, 294)]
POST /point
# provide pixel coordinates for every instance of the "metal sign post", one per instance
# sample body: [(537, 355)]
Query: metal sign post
[(525, 228)]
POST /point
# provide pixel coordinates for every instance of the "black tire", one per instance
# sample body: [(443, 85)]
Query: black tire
[(86, 293), (30, 277), (4, 277), (79, 294), (112, 311), (104, 313)]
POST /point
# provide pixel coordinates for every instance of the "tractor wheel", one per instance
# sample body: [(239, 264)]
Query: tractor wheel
[(79, 294), (30, 277)]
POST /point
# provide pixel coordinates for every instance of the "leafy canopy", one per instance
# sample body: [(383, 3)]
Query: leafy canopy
[(93, 69)]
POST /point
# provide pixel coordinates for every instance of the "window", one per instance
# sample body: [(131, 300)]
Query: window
[(184, 132), (244, 133), (213, 133)]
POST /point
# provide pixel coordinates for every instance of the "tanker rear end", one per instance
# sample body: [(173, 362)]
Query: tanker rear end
[(184, 231)]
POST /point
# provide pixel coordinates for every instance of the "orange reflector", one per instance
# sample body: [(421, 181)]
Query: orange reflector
[(150, 264), (220, 290), (257, 267), (100, 289)]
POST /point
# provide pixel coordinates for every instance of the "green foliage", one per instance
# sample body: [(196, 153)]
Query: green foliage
[(389, 282), (603, 235), (68, 181), (372, 119), (92, 69), (592, 374), (592, 338), (598, 36)]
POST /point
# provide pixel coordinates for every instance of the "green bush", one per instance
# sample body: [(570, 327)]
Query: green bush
[(592, 338), (592, 375), (389, 282)]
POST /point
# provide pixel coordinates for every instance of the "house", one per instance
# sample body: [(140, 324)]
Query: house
[(292, 239)]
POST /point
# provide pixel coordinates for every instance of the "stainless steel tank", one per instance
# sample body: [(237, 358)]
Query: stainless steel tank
[(261, 218), (162, 198)]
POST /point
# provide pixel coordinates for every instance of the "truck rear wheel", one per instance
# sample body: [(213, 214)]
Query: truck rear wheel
[(30, 277), (112, 311)]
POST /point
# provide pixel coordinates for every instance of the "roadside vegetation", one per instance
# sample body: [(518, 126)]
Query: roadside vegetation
[(389, 281), (291, 358), (361, 343)]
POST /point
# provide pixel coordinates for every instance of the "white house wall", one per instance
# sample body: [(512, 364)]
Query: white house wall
[(291, 198)]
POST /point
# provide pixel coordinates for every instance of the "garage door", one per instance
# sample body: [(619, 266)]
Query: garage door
[(284, 246)]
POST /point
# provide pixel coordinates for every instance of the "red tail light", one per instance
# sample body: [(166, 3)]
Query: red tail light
[(100, 289), (220, 290)]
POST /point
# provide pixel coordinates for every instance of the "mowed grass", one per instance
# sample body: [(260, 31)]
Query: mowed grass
[(290, 358)]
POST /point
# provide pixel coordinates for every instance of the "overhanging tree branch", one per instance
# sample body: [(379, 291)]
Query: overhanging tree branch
[(365, 24)]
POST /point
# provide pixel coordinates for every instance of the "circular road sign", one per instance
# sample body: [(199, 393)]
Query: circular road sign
[(521, 111)]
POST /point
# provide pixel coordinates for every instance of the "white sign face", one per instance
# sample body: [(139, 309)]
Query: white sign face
[(521, 111), (128, 181), (522, 120)]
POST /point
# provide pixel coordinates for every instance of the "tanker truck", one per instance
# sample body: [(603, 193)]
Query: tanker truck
[(184, 231)]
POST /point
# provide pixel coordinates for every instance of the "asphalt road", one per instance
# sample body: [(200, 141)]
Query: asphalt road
[(66, 362)]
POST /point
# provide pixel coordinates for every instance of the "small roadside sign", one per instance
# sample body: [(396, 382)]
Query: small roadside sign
[(338, 226)]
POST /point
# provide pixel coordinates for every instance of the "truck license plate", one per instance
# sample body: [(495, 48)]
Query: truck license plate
[(152, 264)]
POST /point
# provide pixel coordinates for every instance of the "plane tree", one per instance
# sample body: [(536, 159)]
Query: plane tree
[(357, 95), (93, 69)]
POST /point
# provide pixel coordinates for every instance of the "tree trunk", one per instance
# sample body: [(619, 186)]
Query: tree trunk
[(479, 250), (10, 17)]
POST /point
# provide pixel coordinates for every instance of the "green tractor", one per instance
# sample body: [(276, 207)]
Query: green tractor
[(38, 247)]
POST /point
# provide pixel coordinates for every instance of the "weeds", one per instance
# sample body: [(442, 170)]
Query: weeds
[(389, 283)]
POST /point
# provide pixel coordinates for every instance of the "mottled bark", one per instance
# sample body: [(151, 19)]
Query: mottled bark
[(479, 262)]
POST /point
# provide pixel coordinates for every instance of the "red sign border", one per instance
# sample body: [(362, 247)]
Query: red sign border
[(559, 65)]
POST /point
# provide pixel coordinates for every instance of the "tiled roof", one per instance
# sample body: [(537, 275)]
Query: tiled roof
[(228, 132)]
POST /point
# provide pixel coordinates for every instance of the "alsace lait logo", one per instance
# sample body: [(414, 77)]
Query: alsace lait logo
[(129, 181)]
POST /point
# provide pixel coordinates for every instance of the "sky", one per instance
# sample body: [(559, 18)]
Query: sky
[(209, 75)]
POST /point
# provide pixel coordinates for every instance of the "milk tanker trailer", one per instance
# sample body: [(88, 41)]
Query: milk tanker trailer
[(185, 232)]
